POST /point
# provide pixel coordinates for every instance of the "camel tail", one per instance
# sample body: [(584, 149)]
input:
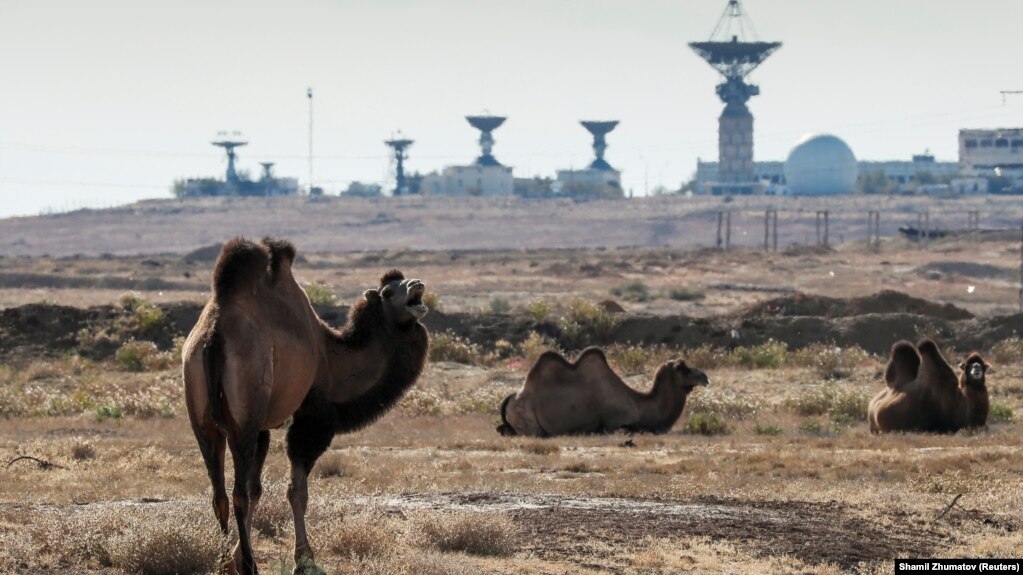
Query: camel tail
[(213, 358), (505, 428)]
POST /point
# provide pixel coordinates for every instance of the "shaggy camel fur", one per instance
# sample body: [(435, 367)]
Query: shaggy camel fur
[(260, 355), (924, 394), (560, 398)]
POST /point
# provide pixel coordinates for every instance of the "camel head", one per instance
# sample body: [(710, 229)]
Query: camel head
[(688, 378), (974, 370), (402, 298)]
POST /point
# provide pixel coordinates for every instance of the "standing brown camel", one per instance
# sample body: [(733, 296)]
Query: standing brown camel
[(924, 394), (259, 355), (560, 398)]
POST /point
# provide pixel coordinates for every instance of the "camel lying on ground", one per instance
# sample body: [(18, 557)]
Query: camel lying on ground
[(259, 355), (924, 394), (561, 398)]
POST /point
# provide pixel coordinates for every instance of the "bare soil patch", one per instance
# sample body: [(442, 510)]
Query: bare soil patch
[(562, 527)]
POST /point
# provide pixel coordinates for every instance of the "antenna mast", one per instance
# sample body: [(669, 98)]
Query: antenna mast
[(734, 56), (399, 145), (309, 95)]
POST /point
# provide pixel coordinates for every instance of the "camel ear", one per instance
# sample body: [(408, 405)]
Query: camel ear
[(681, 366), (962, 365), (371, 295)]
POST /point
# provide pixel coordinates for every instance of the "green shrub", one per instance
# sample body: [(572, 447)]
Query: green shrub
[(105, 412), (141, 356), (632, 291), (831, 400), (539, 310), (499, 305), (767, 430), (706, 357), (446, 346), (828, 361), (535, 345), (585, 324), (320, 294), (768, 355), (705, 423), (686, 294), (724, 402), (638, 358), (812, 426), (432, 301), (130, 301), (138, 316), (1000, 413)]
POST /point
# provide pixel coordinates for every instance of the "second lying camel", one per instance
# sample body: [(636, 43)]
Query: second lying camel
[(560, 397)]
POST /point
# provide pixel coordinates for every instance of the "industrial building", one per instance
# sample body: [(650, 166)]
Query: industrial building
[(234, 183), (997, 152), (774, 178)]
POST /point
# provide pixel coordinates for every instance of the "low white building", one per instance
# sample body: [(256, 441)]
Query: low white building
[(610, 178), (903, 172), (473, 180)]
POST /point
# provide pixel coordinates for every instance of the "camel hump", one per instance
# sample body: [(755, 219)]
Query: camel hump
[(591, 354), (903, 365), (550, 367), (241, 263), (934, 369), (282, 253)]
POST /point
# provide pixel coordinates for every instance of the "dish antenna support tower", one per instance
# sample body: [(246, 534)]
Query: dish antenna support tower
[(229, 142), (734, 52), (399, 145), (486, 125), (599, 131)]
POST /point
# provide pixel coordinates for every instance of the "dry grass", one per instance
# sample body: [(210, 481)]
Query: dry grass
[(131, 539), (475, 533)]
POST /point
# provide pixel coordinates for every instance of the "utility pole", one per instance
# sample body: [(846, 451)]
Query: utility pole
[(309, 95)]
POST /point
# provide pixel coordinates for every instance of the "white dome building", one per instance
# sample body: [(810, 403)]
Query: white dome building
[(820, 165)]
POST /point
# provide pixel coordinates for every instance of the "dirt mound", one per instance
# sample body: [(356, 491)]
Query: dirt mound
[(888, 301), (563, 527), (967, 269), (40, 329), (204, 254)]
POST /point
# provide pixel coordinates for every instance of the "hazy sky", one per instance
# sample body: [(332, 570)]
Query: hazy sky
[(103, 101)]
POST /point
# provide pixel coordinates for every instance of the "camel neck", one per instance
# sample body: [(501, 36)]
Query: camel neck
[(368, 374), (977, 403), (663, 404)]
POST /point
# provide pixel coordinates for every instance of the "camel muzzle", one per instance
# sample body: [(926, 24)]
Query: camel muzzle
[(415, 305)]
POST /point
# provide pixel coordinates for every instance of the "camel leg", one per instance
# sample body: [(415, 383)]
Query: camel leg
[(212, 444), (256, 479), (308, 437), (244, 448)]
